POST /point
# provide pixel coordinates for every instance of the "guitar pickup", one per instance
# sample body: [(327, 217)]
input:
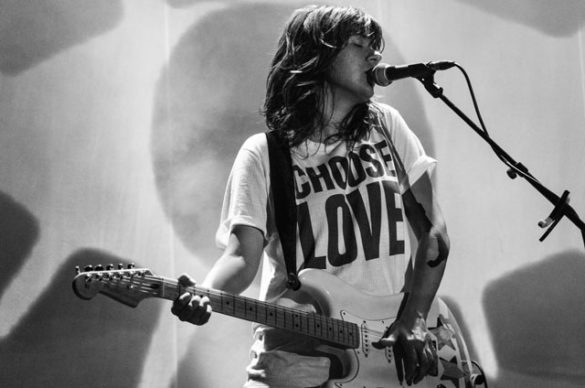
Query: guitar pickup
[(369, 335), (366, 344)]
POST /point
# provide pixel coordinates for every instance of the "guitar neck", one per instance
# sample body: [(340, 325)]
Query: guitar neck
[(335, 331)]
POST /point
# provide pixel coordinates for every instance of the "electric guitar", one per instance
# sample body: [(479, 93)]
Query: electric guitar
[(348, 322)]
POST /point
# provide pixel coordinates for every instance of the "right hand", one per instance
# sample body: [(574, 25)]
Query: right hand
[(191, 308), (414, 350)]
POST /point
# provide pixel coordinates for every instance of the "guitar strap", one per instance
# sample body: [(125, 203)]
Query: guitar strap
[(285, 209)]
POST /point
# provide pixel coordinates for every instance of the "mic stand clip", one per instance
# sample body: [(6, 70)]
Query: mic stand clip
[(555, 216)]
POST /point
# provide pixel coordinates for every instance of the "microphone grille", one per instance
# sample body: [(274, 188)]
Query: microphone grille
[(379, 74)]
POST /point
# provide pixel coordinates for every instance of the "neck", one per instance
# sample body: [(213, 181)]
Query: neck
[(333, 112)]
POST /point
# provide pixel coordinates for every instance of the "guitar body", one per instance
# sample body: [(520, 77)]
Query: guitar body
[(368, 367)]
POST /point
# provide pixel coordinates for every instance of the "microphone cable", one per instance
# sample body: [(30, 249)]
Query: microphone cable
[(514, 169)]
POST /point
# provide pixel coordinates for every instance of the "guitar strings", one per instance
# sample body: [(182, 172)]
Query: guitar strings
[(139, 283)]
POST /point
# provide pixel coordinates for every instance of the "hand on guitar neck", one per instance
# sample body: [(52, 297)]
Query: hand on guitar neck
[(189, 307)]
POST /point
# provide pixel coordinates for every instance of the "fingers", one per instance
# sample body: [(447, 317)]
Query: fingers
[(411, 361), (419, 360), (185, 280), (434, 365), (193, 309), (189, 308), (398, 352), (415, 356), (424, 362), (385, 342)]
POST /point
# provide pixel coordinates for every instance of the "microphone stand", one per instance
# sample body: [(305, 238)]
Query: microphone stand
[(561, 204)]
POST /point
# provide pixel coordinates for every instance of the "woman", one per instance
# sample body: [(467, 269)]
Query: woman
[(361, 186)]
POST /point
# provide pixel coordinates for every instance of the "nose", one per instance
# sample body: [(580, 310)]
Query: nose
[(374, 58)]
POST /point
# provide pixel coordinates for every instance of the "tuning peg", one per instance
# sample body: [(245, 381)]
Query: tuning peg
[(88, 268), (77, 270), (120, 266), (131, 266), (110, 267), (99, 267)]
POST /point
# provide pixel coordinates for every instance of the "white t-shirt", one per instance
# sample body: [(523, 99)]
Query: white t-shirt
[(351, 217)]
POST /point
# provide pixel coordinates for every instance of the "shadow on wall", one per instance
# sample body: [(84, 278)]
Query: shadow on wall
[(64, 341), (19, 232), (208, 101), (34, 30), (557, 18), (536, 316), (218, 355)]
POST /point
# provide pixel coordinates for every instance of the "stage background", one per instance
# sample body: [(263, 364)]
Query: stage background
[(119, 120)]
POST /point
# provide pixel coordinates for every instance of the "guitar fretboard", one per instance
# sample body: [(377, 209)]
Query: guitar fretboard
[(335, 331)]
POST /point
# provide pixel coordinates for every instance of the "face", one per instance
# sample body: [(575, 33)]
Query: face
[(348, 76)]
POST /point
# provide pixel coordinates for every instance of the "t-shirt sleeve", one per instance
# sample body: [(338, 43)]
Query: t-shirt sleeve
[(246, 195), (409, 148)]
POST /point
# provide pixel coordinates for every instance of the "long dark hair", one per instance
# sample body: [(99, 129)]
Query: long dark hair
[(295, 87)]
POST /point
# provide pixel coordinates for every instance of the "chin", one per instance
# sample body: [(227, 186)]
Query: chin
[(367, 96), (369, 92)]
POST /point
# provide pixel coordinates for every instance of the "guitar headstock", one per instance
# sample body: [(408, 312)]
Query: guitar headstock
[(125, 285)]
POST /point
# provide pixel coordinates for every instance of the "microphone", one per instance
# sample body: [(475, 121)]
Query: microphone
[(384, 74)]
